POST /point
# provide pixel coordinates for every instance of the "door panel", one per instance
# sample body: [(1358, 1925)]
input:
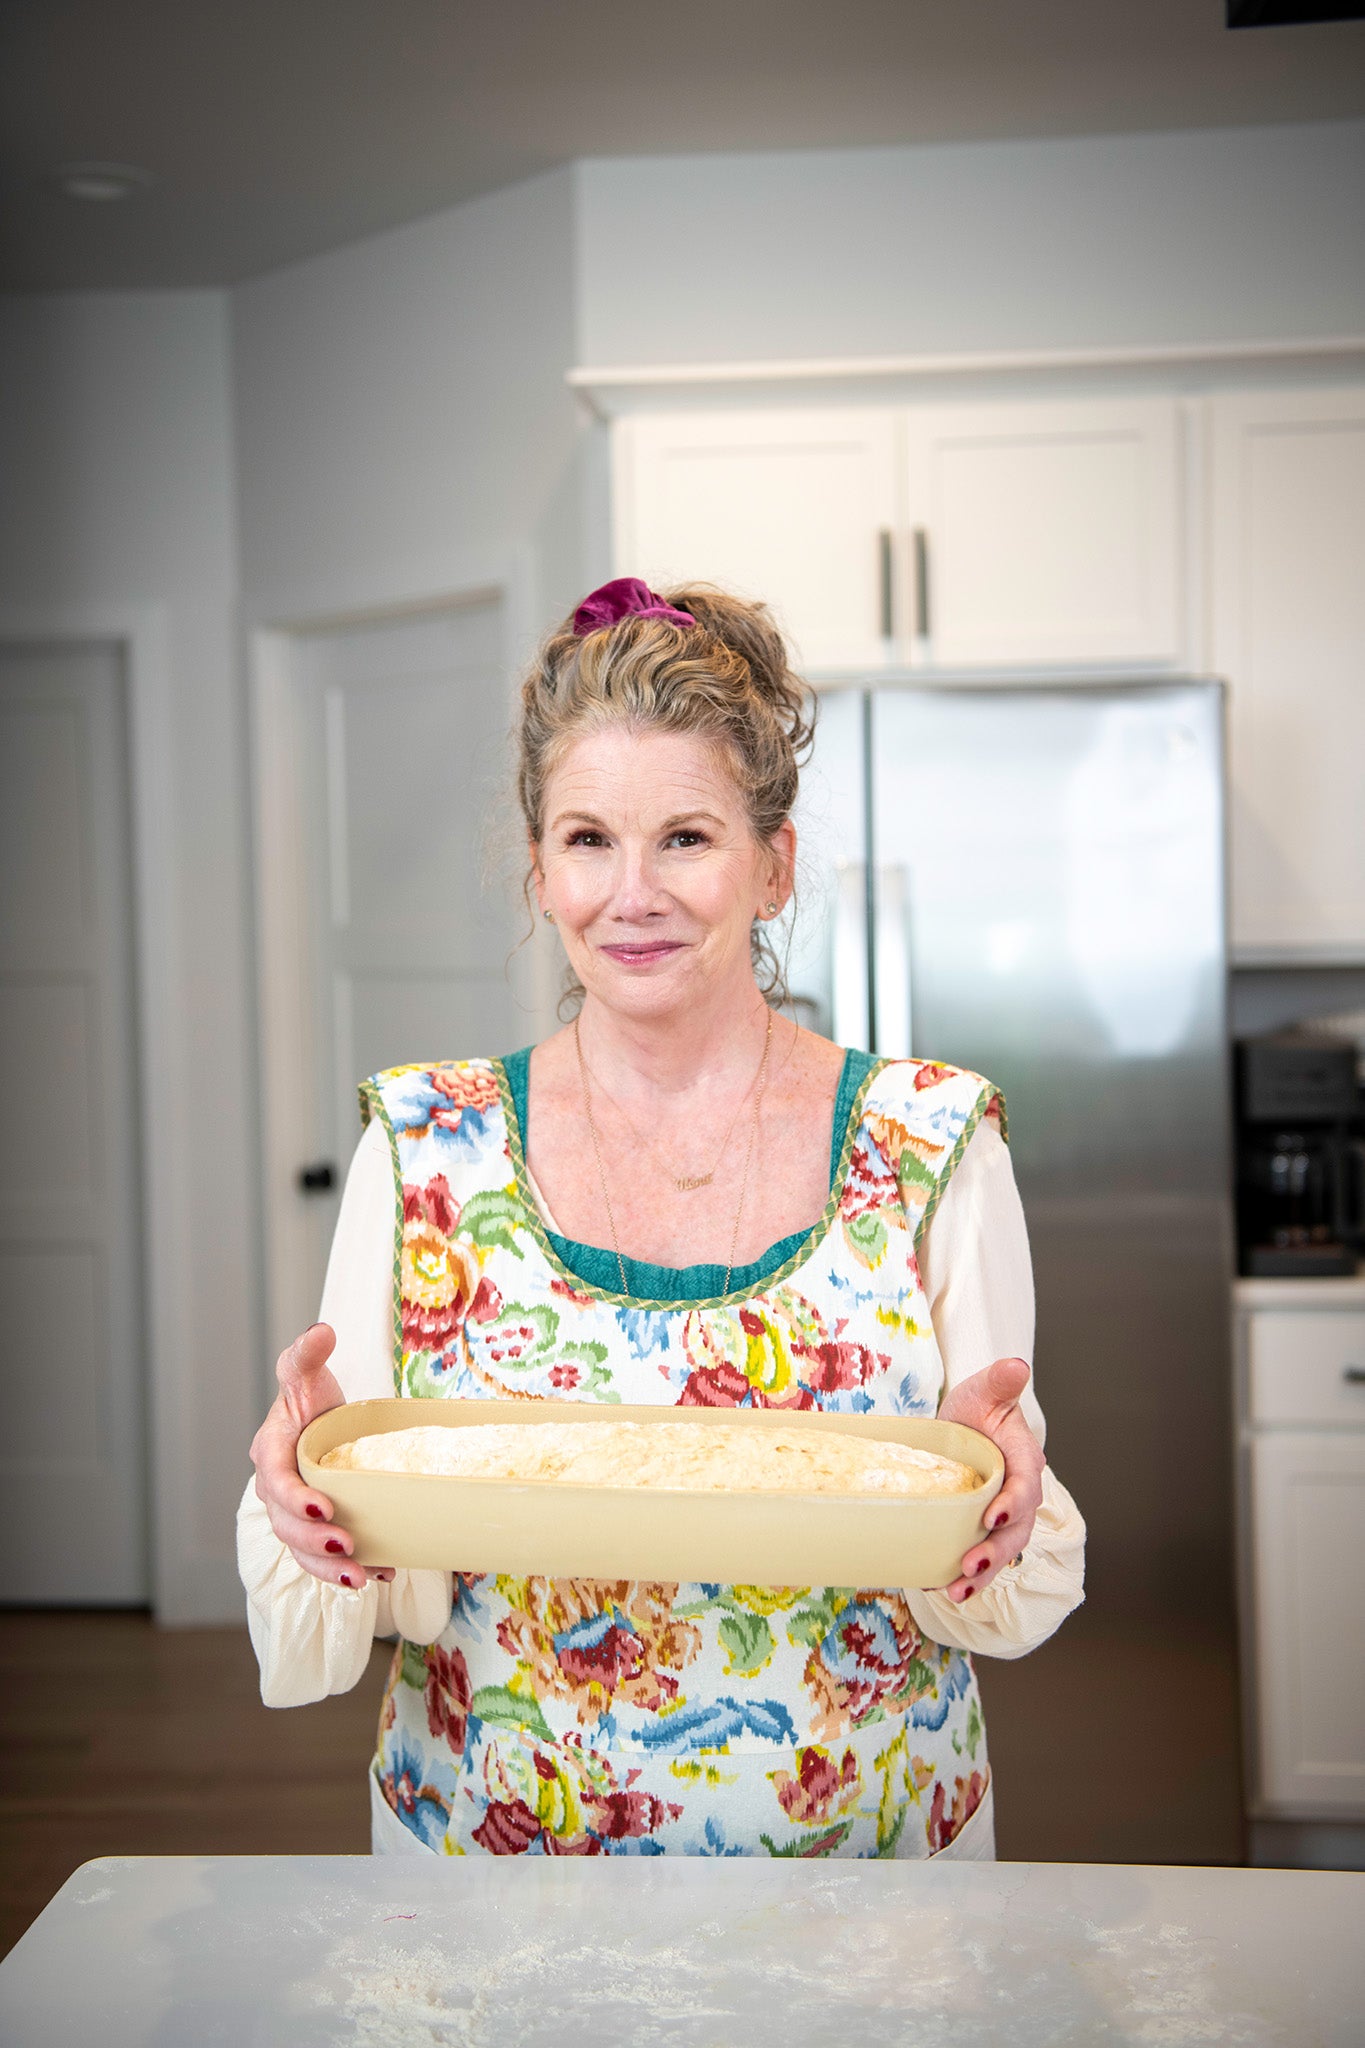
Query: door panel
[(72, 1485), (404, 756)]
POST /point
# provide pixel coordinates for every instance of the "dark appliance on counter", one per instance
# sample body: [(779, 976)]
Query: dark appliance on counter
[(1300, 1156)]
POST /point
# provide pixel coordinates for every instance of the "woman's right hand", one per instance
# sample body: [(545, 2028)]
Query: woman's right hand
[(301, 1518)]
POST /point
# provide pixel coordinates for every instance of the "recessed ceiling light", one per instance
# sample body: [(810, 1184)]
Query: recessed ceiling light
[(101, 182)]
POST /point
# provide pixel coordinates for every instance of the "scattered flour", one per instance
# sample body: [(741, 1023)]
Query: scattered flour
[(1161, 1993)]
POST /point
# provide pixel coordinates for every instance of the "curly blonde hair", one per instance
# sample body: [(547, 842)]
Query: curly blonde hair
[(726, 680)]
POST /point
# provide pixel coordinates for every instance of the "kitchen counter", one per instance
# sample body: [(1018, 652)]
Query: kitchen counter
[(1346, 1293), (250, 1951)]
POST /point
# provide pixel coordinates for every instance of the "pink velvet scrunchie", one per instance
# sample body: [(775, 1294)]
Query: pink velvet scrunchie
[(618, 600)]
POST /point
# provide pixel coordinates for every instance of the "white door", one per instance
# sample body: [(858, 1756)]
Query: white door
[(405, 781), (797, 508), (1308, 1509), (1045, 534), (1289, 636), (72, 1489)]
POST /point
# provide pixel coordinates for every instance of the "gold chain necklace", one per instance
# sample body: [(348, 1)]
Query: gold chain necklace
[(686, 1183), (748, 1152)]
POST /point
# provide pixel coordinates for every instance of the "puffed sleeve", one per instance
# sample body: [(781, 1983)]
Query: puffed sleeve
[(978, 1277), (313, 1638)]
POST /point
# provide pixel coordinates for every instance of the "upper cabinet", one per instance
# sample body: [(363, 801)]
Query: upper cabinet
[(1045, 533), (1287, 551), (799, 508), (1073, 535), (938, 537)]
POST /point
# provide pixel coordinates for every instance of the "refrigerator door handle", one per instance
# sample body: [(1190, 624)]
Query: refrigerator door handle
[(894, 955), (850, 1018)]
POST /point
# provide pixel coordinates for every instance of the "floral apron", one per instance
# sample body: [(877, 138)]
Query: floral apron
[(576, 1717)]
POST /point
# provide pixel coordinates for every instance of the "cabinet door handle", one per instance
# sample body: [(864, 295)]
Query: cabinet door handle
[(1354, 1375), (885, 588), (921, 540)]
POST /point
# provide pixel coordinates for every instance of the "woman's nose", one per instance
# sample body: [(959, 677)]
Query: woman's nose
[(638, 894)]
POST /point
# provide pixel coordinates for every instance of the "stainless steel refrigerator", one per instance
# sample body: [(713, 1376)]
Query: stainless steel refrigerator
[(1029, 881)]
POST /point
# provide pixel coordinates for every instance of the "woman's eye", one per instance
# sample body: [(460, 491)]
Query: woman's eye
[(688, 839), (585, 836)]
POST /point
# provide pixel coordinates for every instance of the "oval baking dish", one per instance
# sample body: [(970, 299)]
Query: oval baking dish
[(557, 1530)]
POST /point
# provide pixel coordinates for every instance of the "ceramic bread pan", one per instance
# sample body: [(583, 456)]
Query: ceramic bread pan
[(551, 1529)]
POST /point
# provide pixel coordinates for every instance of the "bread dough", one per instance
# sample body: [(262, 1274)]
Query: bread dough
[(693, 1457)]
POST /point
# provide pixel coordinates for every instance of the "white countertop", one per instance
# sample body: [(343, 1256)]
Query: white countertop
[(391, 1951), (1300, 1293)]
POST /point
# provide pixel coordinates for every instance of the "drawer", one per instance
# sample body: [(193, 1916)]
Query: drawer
[(1307, 1365)]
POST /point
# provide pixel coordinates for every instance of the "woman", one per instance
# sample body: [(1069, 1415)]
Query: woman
[(680, 1198)]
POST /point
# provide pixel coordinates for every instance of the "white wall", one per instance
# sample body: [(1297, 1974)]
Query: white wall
[(116, 498), (402, 415), (1224, 235)]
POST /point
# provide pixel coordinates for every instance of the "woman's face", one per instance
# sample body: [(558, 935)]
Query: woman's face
[(650, 870)]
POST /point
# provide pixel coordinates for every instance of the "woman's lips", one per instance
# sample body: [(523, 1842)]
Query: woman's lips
[(642, 955)]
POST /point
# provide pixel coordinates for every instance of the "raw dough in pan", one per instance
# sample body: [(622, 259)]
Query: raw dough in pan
[(721, 1458)]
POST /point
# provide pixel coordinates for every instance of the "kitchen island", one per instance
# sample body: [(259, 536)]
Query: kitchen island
[(325, 1950)]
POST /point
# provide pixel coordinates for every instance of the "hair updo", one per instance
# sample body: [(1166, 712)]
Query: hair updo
[(726, 680)]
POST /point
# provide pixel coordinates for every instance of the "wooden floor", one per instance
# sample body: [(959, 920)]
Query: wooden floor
[(121, 1739), (118, 1738)]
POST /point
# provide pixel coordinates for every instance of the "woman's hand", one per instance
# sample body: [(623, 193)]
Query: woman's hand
[(301, 1518), (989, 1401)]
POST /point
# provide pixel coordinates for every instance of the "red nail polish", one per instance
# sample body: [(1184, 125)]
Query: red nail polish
[(346, 1582), (337, 1549), (314, 1510), (984, 1565), (1000, 1519), (969, 1592)]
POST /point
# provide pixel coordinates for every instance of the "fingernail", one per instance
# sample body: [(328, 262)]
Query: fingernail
[(968, 1592), (314, 1510), (337, 1549), (346, 1582), (999, 1521), (983, 1566)]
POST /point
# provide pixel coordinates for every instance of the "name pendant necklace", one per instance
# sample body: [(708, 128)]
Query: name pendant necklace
[(685, 1183)]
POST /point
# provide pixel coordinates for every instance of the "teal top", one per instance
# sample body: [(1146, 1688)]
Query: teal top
[(647, 1282)]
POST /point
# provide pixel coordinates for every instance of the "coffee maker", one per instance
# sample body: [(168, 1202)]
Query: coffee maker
[(1300, 1155)]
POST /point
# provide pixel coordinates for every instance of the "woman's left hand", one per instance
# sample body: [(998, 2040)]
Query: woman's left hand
[(989, 1401)]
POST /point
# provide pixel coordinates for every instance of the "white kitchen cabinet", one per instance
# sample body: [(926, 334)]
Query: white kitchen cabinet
[(1308, 1506), (937, 537), (1302, 1430), (799, 508), (1046, 534), (1288, 633)]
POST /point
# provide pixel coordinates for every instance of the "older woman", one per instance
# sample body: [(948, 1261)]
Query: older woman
[(680, 1198)]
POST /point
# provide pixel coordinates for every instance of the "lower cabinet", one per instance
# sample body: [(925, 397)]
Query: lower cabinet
[(1301, 1427), (1307, 1572)]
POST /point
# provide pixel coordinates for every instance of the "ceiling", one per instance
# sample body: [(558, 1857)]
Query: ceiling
[(274, 129)]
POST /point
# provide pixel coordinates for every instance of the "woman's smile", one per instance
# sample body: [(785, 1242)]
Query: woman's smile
[(641, 952)]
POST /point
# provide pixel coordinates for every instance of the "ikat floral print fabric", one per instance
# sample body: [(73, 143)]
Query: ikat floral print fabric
[(569, 1717)]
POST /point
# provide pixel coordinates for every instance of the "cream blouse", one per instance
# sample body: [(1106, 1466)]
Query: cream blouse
[(313, 1638)]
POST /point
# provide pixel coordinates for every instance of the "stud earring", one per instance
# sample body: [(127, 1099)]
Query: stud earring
[(549, 916), (772, 910)]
